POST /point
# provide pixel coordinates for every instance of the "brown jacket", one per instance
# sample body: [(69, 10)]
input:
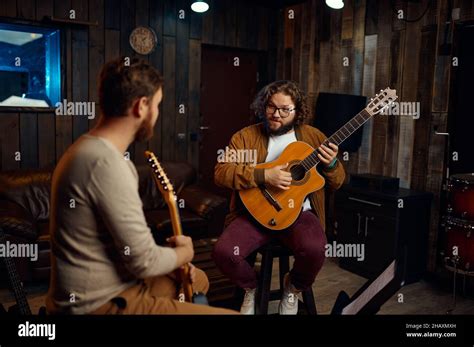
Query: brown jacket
[(239, 176)]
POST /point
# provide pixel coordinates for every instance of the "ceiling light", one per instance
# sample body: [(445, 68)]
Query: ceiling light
[(199, 6), (336, 4)]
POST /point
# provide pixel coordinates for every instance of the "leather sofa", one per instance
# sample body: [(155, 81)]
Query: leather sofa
[(25, 203)]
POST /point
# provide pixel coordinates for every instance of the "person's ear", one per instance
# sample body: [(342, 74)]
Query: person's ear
[(140, 107)]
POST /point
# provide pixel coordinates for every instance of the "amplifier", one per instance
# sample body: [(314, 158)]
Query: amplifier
[(375, 182)]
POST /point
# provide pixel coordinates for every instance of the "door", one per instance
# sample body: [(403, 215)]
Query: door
[(230, 79)]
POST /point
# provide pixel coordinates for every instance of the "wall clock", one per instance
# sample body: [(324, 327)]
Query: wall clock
[(143, 40)]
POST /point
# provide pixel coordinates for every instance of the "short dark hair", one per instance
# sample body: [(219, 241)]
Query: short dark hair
[(122, 81), (286, 87)]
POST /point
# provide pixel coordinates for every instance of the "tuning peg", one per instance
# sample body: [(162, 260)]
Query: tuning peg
[(165, 188)]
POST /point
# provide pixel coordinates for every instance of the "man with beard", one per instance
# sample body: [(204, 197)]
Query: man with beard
[(104, 258), (281, 107)]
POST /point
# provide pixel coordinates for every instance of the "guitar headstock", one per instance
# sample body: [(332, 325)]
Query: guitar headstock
[(162, 181), (382, 101)]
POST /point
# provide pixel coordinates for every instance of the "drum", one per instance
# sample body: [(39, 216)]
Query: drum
[(461, 196), (460, 242)]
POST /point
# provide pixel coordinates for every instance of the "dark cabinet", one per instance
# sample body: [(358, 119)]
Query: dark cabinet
[(388, 225)]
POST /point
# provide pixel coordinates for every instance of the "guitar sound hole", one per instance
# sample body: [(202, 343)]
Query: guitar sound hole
[(297, 172)]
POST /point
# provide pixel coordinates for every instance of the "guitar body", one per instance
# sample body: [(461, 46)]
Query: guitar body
[(278, 209)]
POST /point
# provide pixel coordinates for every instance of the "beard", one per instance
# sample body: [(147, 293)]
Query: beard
[(145, 132), (283, 129)]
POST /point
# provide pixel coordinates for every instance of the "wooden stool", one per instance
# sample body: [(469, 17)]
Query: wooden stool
[(264, 294)]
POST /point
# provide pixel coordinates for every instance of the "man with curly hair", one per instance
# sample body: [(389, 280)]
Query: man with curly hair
[(281, 109)]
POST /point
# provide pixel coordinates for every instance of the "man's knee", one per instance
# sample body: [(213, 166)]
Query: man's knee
[(223, 254), (314, 252)]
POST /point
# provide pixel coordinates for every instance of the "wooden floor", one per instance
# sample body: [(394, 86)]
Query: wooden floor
[(419, 298)]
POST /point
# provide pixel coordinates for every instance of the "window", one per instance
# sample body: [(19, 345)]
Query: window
[(30, 66)]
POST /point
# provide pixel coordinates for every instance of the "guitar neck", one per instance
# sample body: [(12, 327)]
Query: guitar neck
[(15, 282), (338, 137), (175, 218), (167, 190)]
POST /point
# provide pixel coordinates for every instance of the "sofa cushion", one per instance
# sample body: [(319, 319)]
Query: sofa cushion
[(28, 188), (17, 221), (180, 174)]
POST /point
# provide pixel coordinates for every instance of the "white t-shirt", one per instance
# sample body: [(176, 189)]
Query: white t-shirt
[(276, 145)]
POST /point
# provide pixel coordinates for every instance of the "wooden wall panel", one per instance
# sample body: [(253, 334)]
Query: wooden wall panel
[(80, 68), (156, 59), (409, 94), (169, 99), (207, 24), (368, 88), (230, 23), (219, 21), (9, 140), (182, 83), (296, 58), (423, 125), (28, 121), (64, 123), (96, 53), (29, 140), (193, 113), (142, 12), (382, 76), (397, 49), (127, 24), (46, 121)]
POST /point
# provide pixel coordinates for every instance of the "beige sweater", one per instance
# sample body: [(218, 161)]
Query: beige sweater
[(100, 241)]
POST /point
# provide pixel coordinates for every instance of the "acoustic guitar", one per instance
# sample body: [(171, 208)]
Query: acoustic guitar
[(278, 209), (169, 195)]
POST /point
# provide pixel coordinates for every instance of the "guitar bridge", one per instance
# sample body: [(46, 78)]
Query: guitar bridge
[(276, 205)]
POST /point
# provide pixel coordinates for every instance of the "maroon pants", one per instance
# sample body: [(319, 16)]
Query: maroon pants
[(305, 238)]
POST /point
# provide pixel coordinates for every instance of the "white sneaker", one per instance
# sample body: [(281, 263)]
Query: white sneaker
[(289, 300), (248, 306)]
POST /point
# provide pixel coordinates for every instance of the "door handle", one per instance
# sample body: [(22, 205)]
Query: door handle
[(204, 127), (367, 225), (358, 223)]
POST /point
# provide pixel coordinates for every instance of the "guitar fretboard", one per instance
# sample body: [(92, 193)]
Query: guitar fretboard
[(338, 137), (15, 282)]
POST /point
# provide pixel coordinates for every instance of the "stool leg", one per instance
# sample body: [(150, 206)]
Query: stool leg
[(265, 280), (308, 299), (284, 268)]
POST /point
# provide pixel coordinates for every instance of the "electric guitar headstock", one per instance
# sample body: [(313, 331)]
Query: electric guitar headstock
[(381, 101), (162, 181)]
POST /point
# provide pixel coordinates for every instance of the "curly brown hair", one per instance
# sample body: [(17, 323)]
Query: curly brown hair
[(286, 87)]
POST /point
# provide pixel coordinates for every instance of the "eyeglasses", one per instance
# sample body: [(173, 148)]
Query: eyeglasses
[(283, 111)]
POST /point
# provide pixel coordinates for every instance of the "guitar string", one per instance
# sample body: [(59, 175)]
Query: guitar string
[(15, 282), (337, 138)]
